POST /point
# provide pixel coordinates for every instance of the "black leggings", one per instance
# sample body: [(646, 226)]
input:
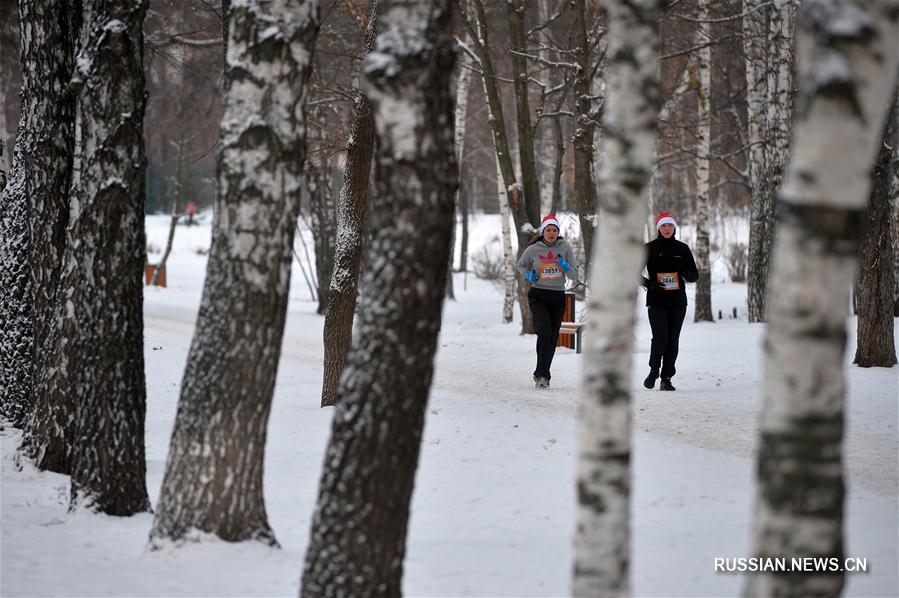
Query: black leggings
[(666, 322), (547, 307)]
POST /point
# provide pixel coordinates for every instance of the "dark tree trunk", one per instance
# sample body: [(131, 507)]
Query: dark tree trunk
[(585, 196), (10, 83), (176, 212), (324, 225), (449, 292), (16, 355), (213, 479), (358, 534), (43, 176), (559, 165), (529, 182), (104, 262), (464, 211), (479, 34), (876, 346), (226, 11), (338, 330)]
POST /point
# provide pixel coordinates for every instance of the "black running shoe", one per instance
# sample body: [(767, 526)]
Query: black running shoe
[(651, 378), (665, 384)]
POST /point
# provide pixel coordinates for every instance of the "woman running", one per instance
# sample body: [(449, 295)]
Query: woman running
[(670, 264), (546, 262)]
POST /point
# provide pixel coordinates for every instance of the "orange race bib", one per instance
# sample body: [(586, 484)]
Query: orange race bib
[(549, 267), (550, 271), (669, 281)]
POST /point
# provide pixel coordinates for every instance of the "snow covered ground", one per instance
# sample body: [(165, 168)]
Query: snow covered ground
[(493, 508)]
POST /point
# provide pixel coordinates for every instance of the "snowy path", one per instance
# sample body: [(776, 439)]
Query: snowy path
[(493, 508)]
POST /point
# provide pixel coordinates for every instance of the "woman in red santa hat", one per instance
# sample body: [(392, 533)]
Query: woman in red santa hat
[(670, 264), (546, 263)]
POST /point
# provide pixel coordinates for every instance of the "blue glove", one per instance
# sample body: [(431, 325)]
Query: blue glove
[(531, 276), (563, 264)]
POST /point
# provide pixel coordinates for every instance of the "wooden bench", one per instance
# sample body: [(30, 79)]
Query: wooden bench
[(574, 332), (570, 333)]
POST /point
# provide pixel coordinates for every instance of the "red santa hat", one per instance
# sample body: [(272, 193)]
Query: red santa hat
[(547, 220), (665, 218)]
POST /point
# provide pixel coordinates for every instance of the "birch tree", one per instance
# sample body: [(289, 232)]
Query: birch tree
[(213, 478), (359, 528), (703, 297), (584, 190), (602, 542), (463, 85), (338, 329), (768, 45), (530, 185), (103, 263), (479, 33), (847, 59), (36, 212), (876, 346), (508, 256)]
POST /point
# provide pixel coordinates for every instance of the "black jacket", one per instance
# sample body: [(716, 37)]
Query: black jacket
[(670, 264)]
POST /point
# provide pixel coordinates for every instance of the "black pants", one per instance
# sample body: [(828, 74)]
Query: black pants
[(666, 322), (547, 308)]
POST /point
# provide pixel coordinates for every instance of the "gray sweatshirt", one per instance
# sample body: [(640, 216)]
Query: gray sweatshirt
[(543, 259)]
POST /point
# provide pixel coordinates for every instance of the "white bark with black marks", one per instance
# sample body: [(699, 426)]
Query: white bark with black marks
[(603, 543), (103, 264), (39, 193), (509, 278), (848, 55), (213, 479), (768, 44), (359, 528), (703, 297), (463, 85)]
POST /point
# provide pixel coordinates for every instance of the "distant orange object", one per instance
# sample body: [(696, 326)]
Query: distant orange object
[(191, 210), (149, 270)]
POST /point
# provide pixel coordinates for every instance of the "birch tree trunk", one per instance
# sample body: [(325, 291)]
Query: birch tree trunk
[(16, 336), (703, 298), (529, 182), (508, 257), (755, 29), (213, 478), (848, 57), (876, 346), (38, 196), (463, 84), (338, 330), (585, 196), (602, 543), (769, 51), (780, 93), (103, 263), (359, 528), (476, 26)]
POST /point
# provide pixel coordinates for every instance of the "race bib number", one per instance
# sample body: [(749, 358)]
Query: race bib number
[(669, 281), (550, 272)]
